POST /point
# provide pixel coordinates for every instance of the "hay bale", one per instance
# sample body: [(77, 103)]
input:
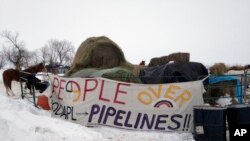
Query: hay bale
[(175, 57), (158, 61), (84, 73), (98, 52), (179, 57), (218, 69)]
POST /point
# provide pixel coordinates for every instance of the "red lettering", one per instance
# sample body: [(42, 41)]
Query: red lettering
[(59, 93), (54, 82), (86, 89), (120, 91), (101, 92)]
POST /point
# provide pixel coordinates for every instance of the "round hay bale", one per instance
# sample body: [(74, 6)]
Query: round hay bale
[(218, 69), (84, 73), (98, 52)]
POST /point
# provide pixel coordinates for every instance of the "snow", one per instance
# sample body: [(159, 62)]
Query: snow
[(20, 120)]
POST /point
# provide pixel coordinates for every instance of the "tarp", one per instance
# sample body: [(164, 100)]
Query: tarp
[(116, 73), (216, 79), (174, 72), (104, 102)]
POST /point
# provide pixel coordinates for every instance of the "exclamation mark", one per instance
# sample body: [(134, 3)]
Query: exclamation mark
[(185, 122), (189, 117)]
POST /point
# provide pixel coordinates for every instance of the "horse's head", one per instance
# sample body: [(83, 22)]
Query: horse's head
[(40, 67), (36, 68), (142, 63)]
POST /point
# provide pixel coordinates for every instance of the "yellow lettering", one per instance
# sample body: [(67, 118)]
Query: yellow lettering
[(142, 95), (156, 93), (183, 98), (78, 95), (171, 91)]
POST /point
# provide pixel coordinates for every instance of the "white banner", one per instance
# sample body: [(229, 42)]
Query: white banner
[(103, 102)]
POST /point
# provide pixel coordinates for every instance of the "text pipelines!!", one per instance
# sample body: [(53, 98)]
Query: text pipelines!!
[(100, 115)]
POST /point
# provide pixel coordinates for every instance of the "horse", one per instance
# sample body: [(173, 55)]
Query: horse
[(142, 63), (10, 75), (226, 85)]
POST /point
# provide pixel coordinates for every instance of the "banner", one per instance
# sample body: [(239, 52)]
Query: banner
[(104, 102)]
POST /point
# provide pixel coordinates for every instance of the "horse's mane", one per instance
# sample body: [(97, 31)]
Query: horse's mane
[(35, 68)]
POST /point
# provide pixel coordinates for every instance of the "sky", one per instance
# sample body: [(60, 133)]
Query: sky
[(211, 31)]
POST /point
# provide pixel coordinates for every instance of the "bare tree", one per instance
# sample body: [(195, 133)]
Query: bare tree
[(65, 51), (2, 60), (31, 58), (44, 53), (14, 50), (57, 52)]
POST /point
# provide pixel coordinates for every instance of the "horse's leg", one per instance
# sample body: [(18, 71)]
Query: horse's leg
[(6, 84), (12, 93), (232, 95), (7, 91), (9, 88)]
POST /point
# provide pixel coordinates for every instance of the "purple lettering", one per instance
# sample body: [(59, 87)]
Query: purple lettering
[(94, 110), (173, 119), (101, 114), (145, 119), (160, 120), (126, 124), (137, 121), (118, 116), (110, 112)]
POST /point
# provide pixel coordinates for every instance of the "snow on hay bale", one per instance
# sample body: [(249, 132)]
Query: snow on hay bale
[(101, 53)]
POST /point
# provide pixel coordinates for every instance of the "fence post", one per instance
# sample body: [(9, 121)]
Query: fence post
[(245, 84), (33, 89)]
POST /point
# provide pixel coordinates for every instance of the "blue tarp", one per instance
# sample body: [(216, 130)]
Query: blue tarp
[(216, 79)]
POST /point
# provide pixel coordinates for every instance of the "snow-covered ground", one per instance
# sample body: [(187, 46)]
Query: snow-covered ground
[(21, 121)]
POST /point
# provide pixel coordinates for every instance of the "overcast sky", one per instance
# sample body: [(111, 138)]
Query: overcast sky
[(210, 30)]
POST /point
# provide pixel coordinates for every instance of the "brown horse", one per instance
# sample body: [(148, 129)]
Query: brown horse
[(10, 75)]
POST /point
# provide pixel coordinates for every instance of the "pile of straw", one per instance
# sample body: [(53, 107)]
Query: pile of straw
[(98, 52)]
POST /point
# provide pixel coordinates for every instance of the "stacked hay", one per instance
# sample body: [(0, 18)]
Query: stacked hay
[(179, 57), (221, 68), (175, 57), (100, 53)]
